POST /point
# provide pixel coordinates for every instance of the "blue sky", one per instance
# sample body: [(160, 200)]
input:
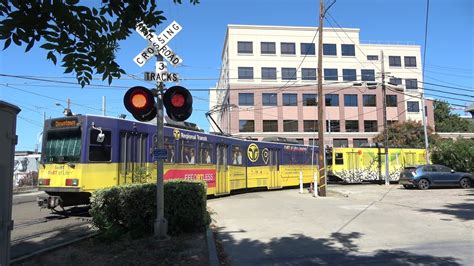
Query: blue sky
[(449, 59)]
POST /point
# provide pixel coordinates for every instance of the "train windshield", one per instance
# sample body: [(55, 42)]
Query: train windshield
[(63, 146)]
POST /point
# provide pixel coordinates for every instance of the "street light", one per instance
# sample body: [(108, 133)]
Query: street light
[(67, 111)]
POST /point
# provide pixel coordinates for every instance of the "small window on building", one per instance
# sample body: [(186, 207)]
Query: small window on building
[(359, 142), (333, 126), (269, 73), (339, 158), (396, 81), (370, 126), (205, 153), (310, 99), (394, 61), (372, 57), (411, 84), (290, 99), (413, 107), (350, 99), (391, 100), (410, 61), (270, 125), (267, 48), (246, 126), (288, 48), (290, 125), (310, 125), (308, 73), (352, 125), (368, 75), (100, 151), (332, 100), (349, 75), (369, 100), (347, 50), (330, 73), (288, 73), (269, 99), (340, 143), (244, 47), (329, 49), (307, 49), (246, 99), (245, 72)]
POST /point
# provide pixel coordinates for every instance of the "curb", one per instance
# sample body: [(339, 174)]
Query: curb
[(211, 247)]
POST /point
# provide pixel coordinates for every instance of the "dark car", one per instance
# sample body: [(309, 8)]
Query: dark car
[(426, 176)]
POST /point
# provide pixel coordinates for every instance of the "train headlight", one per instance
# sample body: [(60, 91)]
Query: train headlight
[(72, 182)]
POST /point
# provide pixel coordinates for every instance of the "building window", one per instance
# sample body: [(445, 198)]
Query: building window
[(310, 99), (370, 126), (288, 48), (300, 141), (246, 99), (340, 143), (288, 73), (269, 99), (310, 125), (369, 100), (394, 61), (333, 126), (270, 125), (307, 49), (330, 73), (359, 142), (350, 99), (372, 57), (290, 125), (332, 99), (413, 107), (368, 75), (269, 73), (347, 50), (391, 100), (245, 72), (396, 81), (267, 48), (349, 75), (329, 49), (244, 47), (246, 126), (410, 61), (308, 73), (313, 142), (411, 84), (352, 125), (290, 99)]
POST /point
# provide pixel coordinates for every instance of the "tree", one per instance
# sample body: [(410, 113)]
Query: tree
[(458, 154), (446, 121), (407, 135), (84, 37)]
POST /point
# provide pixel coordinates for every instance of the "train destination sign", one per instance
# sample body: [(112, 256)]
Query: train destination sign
[(158, 44)]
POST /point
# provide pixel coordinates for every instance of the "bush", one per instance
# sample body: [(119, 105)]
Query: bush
[(458, 154), (132, 208)]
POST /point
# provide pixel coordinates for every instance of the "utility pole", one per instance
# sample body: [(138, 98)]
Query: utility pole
[(68, 104), (385, 128), (161, 224), (322, 178), (103, 105)]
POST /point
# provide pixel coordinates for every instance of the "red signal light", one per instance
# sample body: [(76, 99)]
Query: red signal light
[(140, 102), (177, 100)]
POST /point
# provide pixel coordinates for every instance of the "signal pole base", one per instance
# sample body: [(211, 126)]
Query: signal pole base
[(161, 230)]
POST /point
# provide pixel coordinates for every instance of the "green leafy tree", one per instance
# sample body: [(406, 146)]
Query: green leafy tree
[(446, 121), (407, 135), (457, 154), (84, 37)]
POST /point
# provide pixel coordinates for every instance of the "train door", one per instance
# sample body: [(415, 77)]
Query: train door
[(132, 165), (222, 184), (353, 164), (274, 164)]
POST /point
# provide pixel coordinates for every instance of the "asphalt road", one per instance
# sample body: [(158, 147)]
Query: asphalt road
[(358, 224)]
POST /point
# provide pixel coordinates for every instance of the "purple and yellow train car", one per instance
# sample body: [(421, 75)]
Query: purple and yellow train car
[(83, 153)]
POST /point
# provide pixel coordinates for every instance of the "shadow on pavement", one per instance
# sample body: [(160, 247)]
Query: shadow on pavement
[(462, 211), (301, 250)]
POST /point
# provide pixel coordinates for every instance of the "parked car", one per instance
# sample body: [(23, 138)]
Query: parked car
[(426, 176)]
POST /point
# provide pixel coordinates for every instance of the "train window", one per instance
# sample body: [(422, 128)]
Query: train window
[(205, 153), (170, 147), (63, 146), (188, 152), (236, 155), (100, 151), (339, 158)]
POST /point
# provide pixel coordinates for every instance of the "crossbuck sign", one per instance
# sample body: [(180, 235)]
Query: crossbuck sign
[(158, 44)]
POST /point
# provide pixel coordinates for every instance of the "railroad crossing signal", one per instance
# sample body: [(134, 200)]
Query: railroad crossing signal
[(140, 102), (178, 102)]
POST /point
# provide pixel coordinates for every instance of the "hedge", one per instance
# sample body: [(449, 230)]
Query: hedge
[(132, 208)]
